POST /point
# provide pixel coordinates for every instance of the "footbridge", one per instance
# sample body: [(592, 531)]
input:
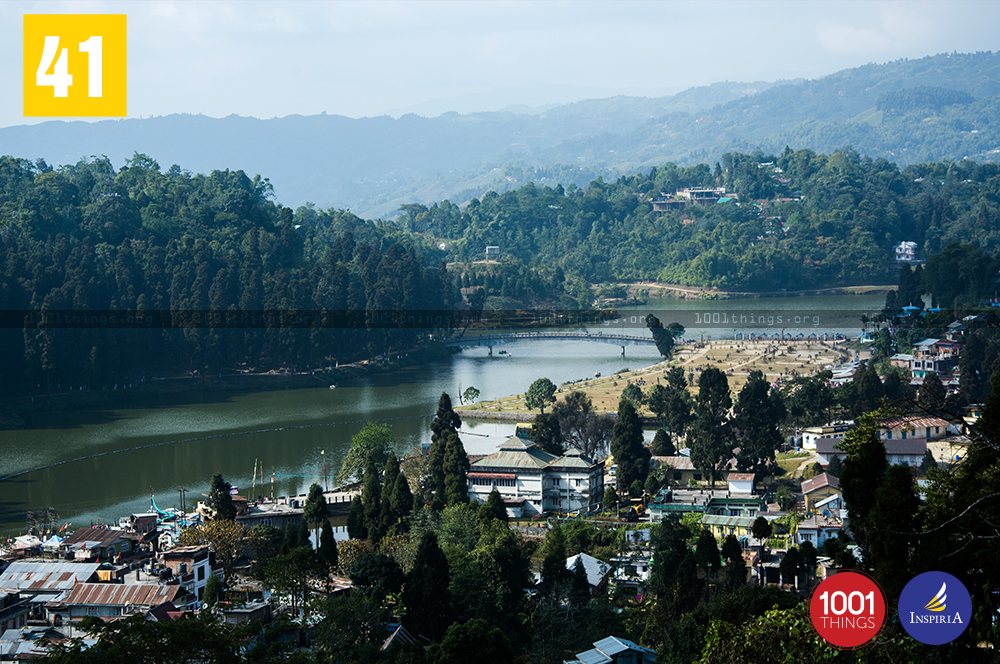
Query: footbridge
[(491, 340)]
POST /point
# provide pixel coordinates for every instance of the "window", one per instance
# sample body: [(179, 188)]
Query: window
[(697, 477), (201, 572), (904, 435), (733, 512), (889, 435)]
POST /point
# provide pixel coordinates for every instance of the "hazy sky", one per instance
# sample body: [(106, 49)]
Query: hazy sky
[(268, 59)]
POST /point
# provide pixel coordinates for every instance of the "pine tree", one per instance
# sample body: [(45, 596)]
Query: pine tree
[(554, 564), (456, 466), (220, 499), (493, 508), (426, 595), (402, 497), (303, 537), (328, 546), (356, 528), (445, 423), (371, 499), (314, 512), (291, 539), (631, 456), (389, 516), (711, 447)]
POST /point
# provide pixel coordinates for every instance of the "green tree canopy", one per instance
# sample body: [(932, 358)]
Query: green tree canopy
[(631, 456), (375, 441), (220, 498), (541, 392)]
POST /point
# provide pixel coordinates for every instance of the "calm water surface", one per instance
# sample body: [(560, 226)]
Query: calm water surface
[(97, 465)]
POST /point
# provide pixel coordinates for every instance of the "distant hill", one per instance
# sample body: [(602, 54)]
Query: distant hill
[(946, 108)]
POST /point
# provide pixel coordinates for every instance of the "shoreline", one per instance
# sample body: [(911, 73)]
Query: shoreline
[(13, 410), (641, 290), (777, 360)]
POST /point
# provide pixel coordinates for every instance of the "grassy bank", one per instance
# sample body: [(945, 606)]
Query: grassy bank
[(736, 358)]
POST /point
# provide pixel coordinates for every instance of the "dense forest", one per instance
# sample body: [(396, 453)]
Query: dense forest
[(803, 220), (85, 237)]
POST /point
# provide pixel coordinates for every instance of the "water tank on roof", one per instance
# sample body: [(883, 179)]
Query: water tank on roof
[(166, 574)]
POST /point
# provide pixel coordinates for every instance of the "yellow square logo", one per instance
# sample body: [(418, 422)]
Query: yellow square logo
[(74, 65)]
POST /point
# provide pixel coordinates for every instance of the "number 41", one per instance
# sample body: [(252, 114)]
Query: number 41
[(60, 79)]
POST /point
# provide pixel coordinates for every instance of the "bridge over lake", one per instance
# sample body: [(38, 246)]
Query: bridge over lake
[(491, 340)]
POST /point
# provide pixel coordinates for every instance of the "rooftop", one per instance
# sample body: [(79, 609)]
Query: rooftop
[(45, 576)]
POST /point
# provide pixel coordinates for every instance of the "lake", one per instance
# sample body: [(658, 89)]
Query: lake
[(97, 465)]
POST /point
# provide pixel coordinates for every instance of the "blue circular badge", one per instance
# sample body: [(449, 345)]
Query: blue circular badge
[(935, 608)]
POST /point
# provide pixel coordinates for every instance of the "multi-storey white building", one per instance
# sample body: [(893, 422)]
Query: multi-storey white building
[(531, 481)]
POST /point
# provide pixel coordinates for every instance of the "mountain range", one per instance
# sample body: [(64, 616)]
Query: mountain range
[(944, 106)]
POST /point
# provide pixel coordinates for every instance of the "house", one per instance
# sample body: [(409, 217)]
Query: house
[(613, 650), (276, 514), (834, 430), (905, 439), (817, 488), (252, 612), (531, 481), (40, 581), (906, 252), (937, 355), (95, 543), (735, 501), (110, 600), (13, 610), (818, 529), (597, 572), (910, 428), (906, 452), (192, 566), (632, 568), (682, 472), (902, 360)]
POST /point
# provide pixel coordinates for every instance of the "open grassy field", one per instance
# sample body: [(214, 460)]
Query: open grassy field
[(778, 361)]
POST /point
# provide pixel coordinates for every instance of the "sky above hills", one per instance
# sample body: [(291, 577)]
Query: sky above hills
[(270, 59)]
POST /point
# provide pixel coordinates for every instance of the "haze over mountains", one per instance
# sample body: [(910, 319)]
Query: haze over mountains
[(940, 107)]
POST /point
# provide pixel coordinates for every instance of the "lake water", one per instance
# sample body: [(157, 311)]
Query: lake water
[(97, 465)]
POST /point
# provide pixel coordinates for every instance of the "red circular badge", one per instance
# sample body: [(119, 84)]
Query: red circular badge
[(847, 609)]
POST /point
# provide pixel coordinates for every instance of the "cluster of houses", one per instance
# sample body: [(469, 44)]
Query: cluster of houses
[(119, 575), (685, 198)]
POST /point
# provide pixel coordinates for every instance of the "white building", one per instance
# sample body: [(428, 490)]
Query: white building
[(532, 481), (906, 252)]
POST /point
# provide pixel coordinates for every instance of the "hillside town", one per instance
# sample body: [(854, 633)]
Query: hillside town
[(779, 520)]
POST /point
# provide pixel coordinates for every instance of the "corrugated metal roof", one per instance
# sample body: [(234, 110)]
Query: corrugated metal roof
[(596, 569), (116, 594), (820, 481), (726, 521), (45, 576), (612, 645), (105, 536), (594, 656), (530, 458), (912, 422)]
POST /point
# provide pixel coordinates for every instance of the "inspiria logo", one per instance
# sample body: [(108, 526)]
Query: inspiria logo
[(927, 612)]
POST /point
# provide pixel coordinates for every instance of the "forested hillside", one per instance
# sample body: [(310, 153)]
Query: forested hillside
[(803, 220), (85, 237), (906, 111)]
